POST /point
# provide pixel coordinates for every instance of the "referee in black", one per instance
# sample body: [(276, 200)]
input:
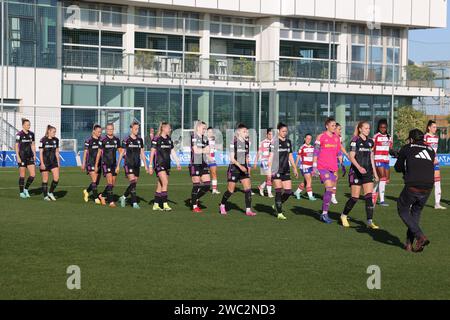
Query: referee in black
[(416, 162)]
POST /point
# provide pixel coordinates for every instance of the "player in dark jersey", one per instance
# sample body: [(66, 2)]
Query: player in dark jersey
[(91, 147), (160, 156), (106, 160), (281, 159), (198, 167), (362, 173), (26, 157), (49, 162), (132, 154), (238, 170)]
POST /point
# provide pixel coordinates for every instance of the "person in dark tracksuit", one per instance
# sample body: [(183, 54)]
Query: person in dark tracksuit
[(416, 162)]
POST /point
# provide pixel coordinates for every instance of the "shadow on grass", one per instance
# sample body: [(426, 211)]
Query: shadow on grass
[(380, 235), (315, 214), (263, 208), (60, 194)]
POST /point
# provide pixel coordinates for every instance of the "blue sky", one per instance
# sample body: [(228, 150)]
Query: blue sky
[(430, 44)]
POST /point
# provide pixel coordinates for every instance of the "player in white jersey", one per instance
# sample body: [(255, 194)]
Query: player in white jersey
[(305, 156), (263, 154), (432, 140), (212, 164)]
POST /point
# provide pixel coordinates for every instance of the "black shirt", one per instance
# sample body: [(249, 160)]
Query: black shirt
[(48, 148), (200, 142), (280, 150), (133, 149), (91, 146), (416, 162), (163, 147), (240, 149), (109, 148), (25, 141), (363, 153)]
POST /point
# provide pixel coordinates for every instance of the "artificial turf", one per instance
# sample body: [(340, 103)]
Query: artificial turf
[(139, 254)]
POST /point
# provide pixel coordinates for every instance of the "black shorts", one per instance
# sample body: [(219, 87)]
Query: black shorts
[(283, 176), (91, 168), (132, 170), (357, 179), (234, 174), (49, 167), (109, 169), (159, 169), (26, 162), (198, 170)]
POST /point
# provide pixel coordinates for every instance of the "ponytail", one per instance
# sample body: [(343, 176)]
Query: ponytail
[(358, 127), (49, 128)]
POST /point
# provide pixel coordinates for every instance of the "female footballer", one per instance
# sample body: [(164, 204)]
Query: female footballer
[(160, 156), (49, 162), (238, 170), (133, 154), (362, 173), (280, 162), (26, 157)]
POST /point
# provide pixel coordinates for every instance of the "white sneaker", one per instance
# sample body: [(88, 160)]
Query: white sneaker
[(216, 192), (52, 196), (439, 207), (334, 201), (47, 198), (261, 191), (270, 195)]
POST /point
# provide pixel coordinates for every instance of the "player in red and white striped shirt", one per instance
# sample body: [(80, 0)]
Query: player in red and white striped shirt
[(382, 144), (306, 157), (263, 154), (432, 140)]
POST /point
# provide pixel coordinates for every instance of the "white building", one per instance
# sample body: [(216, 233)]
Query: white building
[(223, 61)]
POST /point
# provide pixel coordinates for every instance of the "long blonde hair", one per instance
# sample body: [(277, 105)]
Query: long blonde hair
[(359, 126), (161, 126)]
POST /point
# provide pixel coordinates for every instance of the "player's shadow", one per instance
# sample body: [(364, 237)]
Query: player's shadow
[(60, 194), (187, 203), (315, 214), (35, 191), (380, 235), (259, 207)]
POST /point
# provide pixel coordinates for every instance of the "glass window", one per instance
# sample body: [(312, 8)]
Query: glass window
[(222, 110), (358, 53), (376, 54), (169, 19), (111, 96), (393, 53), (113, 39)]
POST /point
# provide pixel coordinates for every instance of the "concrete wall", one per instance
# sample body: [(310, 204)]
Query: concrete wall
[(413, 13), (35, 87)]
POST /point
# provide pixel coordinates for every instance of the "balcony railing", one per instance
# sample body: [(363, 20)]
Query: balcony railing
[(374, 74), (164, 64)]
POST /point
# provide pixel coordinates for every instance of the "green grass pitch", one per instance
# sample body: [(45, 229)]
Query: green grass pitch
[(138, 254)]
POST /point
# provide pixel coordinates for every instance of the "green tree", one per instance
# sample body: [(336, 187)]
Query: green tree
[(408, 118)]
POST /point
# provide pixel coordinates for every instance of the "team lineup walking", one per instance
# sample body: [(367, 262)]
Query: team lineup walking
[(321, 158)]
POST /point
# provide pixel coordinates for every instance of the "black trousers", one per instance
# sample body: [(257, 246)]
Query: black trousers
[(409, 206)]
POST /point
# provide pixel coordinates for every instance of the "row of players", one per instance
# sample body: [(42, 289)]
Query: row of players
[(369, 162)]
